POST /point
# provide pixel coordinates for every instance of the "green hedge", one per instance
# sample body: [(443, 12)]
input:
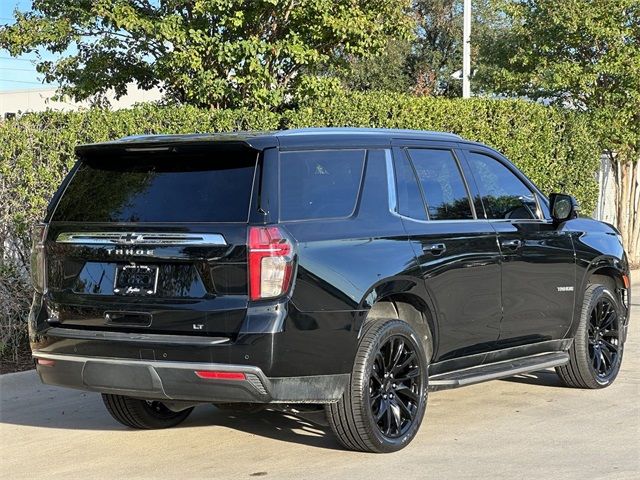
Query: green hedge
[(554, 147)]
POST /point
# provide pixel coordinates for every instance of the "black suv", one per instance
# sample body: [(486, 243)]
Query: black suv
[(347, 269)]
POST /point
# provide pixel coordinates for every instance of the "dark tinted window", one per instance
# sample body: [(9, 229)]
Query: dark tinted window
[(410, 203), (319, 183), (442, 184), (503, 194), (160, 188)]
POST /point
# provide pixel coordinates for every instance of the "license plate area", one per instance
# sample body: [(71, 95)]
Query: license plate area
[(136, 280)]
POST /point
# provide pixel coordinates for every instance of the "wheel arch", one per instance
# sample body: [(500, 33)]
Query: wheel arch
[(607, 271), (604, 275), (410, 308)]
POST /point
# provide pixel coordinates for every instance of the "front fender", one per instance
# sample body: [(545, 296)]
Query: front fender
[(599, 250)]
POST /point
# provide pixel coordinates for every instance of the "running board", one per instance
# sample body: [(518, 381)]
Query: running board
[(493, 371)]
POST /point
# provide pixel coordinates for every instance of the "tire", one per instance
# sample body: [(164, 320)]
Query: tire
[(596, 353), (142, 414), (353, 418)]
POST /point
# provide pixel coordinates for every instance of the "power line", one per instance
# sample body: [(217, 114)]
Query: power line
[(19, 69), (23, 81), (19, 59)]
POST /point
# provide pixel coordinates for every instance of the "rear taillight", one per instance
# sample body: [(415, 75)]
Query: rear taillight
[(38, 267), (270, 262)]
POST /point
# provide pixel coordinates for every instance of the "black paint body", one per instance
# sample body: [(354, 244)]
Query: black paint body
[(477, 300)]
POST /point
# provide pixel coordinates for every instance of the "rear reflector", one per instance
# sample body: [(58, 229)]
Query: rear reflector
[(212, 375), (46, 362)]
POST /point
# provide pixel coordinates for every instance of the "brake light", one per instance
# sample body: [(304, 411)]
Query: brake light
[(38, 267), (270, 262)]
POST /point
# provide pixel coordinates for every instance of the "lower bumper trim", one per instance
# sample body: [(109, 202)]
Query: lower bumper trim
[(177, 381)]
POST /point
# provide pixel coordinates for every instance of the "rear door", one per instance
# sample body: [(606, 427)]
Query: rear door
[(153, 240), (538, 264), (457, 251)]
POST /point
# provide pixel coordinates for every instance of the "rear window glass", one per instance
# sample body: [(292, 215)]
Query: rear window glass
[(319, 183), (215, 187), (410, 203), (442, 184)]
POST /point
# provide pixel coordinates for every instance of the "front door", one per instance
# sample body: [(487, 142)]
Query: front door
[(538, 265), (457, 253)]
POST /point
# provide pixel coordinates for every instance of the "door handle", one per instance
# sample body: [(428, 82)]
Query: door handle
[(511, 244), (435, 248)]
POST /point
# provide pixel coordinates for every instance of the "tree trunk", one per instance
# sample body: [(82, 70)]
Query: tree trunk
[(627, 205), (635, 214)]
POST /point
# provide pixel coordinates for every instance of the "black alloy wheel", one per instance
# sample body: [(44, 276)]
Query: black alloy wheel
[(604, 338), (382, 407), (394, 387), (596, 353)]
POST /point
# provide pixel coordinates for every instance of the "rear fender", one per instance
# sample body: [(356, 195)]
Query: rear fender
[(406, 299)]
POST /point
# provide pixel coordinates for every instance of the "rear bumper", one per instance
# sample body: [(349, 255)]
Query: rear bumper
[(275, 337), (177, 381)]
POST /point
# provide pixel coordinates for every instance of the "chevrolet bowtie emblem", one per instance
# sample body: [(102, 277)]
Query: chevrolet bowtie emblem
[(129, 238)]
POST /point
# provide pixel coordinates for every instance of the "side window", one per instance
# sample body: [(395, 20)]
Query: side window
[(503, 194), (410, 203), (319, 183), (444, 189)]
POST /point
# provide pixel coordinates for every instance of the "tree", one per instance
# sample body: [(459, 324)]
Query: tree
[(387, 71), (437, 52), (425, 63), (584, 55), (208, 53)]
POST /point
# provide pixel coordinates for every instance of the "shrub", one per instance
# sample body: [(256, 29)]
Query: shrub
[(554, 147)]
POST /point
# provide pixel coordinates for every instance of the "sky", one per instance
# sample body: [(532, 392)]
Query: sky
[(18, 73)]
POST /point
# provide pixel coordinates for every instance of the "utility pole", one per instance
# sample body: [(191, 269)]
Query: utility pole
[(466, 50)]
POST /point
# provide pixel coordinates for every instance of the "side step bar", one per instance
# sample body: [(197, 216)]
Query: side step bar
[(493, 371)]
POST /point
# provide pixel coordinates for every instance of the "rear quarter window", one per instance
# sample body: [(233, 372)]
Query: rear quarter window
[(318, 184)]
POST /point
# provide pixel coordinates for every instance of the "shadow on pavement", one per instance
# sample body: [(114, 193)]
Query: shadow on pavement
[(23, 401), (267, 423), (545, 378)]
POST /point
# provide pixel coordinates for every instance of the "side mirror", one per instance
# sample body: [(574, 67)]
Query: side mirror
[(563, 207)]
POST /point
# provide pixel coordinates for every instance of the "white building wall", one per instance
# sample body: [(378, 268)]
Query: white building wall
[(37, 100)]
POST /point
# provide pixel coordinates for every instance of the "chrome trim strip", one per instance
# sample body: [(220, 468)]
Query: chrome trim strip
[(138, 238), (391, 182), (147, 149), (134, 337)]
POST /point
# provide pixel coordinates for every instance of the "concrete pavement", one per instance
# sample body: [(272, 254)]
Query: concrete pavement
[(524, 427)]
